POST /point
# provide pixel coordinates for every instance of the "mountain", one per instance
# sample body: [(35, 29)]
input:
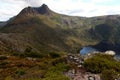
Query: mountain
[(46, 31), (2, 24), (44, 10)]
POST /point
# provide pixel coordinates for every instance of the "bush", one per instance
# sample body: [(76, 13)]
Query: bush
[(3, 64), (3, 57), (59, 67), (55, 76), (18, 54), (54, 55), (59, 60), (29, 54), (101, 62), (28, 49), (20, 72), (9, 78), (34, 55), (112, 75), (56, 72)]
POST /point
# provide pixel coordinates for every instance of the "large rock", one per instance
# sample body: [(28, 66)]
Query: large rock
[(110, 52)]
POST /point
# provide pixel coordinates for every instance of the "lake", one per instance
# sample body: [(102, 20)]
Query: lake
[(87, 49)]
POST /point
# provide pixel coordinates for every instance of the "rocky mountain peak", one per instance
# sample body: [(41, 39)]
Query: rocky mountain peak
[(43, 9), (36, 10)]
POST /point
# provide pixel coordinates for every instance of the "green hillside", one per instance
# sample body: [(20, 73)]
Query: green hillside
[(44, 31)]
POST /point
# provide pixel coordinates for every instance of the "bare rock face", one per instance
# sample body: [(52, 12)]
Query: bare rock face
[(43, 9), (36, 10), (28, 10)]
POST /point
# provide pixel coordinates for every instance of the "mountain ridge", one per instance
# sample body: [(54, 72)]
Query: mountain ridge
[(46, 31)]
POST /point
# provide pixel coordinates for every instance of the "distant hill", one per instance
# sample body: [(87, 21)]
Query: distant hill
[(44, 31)]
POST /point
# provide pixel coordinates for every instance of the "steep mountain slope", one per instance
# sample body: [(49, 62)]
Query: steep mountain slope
[(2, 24), (106, 30), (46, 31)]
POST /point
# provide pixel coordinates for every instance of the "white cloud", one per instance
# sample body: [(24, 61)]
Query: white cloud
[(10, 8), (87, 8), (84, 7), (34, 3)]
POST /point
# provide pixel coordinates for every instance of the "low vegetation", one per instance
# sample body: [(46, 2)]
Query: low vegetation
[(20, 72), (3, 57), (54, 55), (104, 65), (112, 75), (56, 72), (50, 67)]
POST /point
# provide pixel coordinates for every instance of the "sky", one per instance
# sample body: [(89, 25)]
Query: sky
[(84, 8)]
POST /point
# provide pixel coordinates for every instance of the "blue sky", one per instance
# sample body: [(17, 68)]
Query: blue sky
[(86, 8)]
